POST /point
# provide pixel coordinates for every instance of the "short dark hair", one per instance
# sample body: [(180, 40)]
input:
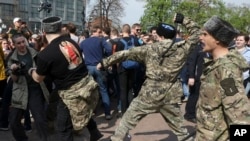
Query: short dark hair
[(4, 36), (115, 32), (107, 30), (95, 28), (17, 35), (85, 33), (246, 37), (71, 27), (152, 28)]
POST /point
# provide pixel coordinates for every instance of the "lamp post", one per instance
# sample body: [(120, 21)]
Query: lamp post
[(36, 30), (101, 13), (46, 7)]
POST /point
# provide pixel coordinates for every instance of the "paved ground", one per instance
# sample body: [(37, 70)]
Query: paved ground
[(151, 128)]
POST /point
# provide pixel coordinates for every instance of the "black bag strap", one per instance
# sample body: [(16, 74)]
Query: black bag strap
[(163, 54)]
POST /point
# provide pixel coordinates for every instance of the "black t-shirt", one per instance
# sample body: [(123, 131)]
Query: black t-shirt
[(118, 45), (62, 61)]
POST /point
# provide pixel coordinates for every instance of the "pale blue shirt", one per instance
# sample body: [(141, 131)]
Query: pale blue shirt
[(246, 54)]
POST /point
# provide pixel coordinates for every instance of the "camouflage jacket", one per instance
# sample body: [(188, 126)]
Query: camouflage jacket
[(160, 76), (222, 99)]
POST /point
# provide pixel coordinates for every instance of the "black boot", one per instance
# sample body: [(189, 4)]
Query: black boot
[(95, 135)]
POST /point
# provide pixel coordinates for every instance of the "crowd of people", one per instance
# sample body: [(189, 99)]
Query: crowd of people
[(62, 73)]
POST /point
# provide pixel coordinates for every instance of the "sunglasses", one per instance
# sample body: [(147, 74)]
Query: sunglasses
[(138, 30)]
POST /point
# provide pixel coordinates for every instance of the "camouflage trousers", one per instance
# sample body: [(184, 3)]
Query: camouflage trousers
[(139, 109), (81, 100)]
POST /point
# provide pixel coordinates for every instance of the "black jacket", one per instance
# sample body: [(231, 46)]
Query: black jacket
[(195, 62)]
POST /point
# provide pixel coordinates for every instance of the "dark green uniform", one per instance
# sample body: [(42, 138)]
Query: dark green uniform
[(160, 91), (222, 99)]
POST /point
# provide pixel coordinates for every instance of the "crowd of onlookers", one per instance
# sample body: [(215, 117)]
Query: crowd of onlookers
[(117, 82)]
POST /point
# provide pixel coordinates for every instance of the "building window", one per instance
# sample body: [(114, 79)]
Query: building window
[(59, 13), (35, 1), (23, 5), (60, 3), (70, 4), (34, 12), (8, 10), (79, 17), (79, 5), (70, 16)]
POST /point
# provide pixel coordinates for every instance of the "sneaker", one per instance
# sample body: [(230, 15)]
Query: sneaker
[(4, 128), (119, 114), (108, 117), (118, 138), (185, 99), (179, 103), (193, 120)]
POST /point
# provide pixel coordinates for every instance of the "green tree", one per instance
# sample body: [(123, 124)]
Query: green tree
[(157, 11), (239, 17)]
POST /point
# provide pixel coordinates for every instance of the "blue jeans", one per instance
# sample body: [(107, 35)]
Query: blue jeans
[(185, 89), (100, 79)]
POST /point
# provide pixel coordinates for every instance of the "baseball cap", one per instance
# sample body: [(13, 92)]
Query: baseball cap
[(16, 19)]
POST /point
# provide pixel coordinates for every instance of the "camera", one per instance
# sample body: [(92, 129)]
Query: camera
[(21, 70), (46, 6)]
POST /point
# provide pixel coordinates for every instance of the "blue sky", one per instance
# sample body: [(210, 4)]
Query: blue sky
[(134, 10)]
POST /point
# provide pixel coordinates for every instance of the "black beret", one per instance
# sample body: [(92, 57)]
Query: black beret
[(166, 30)]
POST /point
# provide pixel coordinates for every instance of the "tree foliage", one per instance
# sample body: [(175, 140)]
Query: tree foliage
[(157, 11)]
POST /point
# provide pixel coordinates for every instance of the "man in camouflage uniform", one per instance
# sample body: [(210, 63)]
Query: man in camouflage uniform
[(62, 61), (160, 92), (222, 101)]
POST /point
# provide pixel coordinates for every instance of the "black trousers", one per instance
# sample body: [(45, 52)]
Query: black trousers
[(3, 84), (64, 124), (36, 106), (192, 101), (4, 116), (127, 80)]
